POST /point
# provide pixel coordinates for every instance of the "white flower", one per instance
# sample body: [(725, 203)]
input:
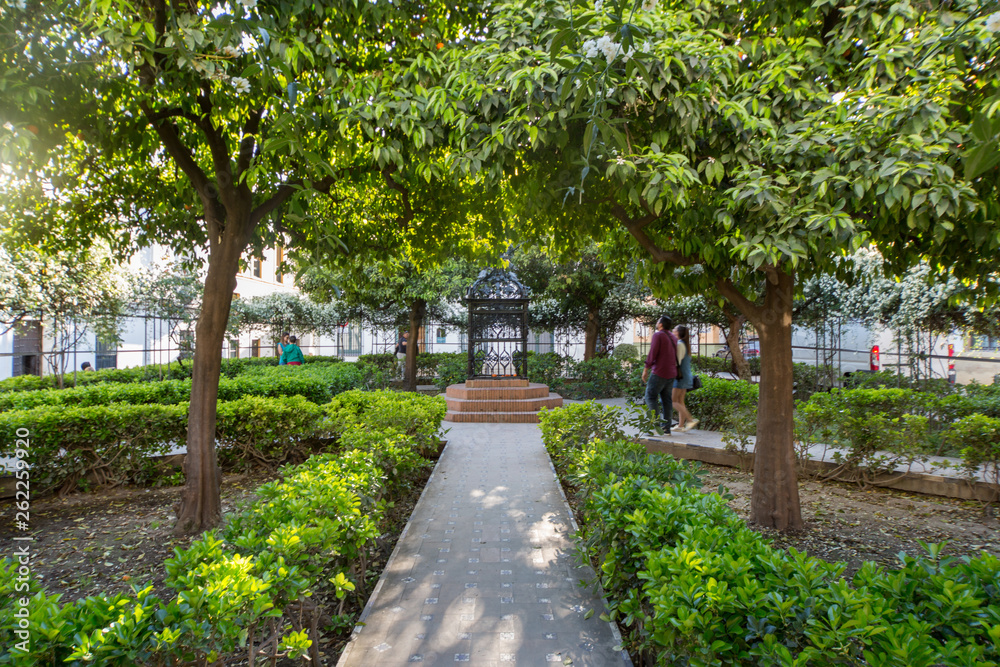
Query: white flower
[(598, 5), (231, 51), (993, 22), (837, 97), (240, 84), (648, 5), (590, 48), (249, 4)]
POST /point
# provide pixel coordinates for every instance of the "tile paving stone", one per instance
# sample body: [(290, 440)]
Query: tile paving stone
[(484, 573)]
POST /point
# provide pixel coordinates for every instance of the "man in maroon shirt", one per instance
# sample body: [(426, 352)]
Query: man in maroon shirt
[(662, 361)]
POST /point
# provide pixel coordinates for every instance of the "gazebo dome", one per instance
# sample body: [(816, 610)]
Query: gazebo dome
[(495, 283)]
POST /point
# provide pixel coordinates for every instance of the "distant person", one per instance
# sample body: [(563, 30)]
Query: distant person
[(401, 345), (662, 361), (281, 347), (85, 366), (684, 381), (292, 355)]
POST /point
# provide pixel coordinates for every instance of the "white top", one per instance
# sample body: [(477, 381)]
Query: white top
[(681, 351)]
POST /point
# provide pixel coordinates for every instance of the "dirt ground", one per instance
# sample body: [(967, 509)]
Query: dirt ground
[(103, 542), (846, 523)]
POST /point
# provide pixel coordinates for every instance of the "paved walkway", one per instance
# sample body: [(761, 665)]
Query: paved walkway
[(485, 571)]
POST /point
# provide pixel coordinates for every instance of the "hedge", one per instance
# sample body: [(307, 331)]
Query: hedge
[(692, 584), (318, 383), (249, 591), (150, 373)]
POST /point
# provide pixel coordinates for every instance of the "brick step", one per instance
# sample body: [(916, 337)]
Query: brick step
[(504, 405), (490, 383), (492, 417), (533, 390)]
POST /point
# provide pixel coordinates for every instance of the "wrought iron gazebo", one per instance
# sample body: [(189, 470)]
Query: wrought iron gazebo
[(498, 325)]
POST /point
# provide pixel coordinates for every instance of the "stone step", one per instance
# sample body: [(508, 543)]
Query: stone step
[(504, 405), (492, 417), (533, 390)]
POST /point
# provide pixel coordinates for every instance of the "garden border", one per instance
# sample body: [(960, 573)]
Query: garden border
[(913, 482)]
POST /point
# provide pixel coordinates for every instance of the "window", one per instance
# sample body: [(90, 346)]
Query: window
[(279, 257), (442, 336), (985, 343), (105, 355), (234, 348), (256, 267), (255, 348)]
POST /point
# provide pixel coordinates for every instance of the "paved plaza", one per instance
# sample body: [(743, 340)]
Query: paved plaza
[(485, 572)]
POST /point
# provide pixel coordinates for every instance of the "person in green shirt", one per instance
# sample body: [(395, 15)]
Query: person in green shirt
[(291, 355)]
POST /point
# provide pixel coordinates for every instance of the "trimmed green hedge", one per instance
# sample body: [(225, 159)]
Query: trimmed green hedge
[(252, 590), (693, 585), (151, 373), (317, 382)]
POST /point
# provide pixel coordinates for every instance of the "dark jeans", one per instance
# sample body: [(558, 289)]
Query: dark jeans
[(658, 390)]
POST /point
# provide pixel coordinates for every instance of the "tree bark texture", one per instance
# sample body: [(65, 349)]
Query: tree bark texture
[(590, 334), (418, 309), (733, 341), (201, 504), (775, 498)]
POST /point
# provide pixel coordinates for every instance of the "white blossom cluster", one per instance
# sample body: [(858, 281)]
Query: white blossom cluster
[(993, 22), (248, 4), (607, 47), (648, 5), (16, 4), (241, 85), (231, 51)]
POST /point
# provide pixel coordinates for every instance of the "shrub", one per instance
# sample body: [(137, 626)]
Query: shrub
[(429, 363), (693, 585), (384, 360), (452, 370), (388, 412), (605, 378), (253, 588), (573, 426), (317, 382), (715, 402), (978, 436), (710, 365), (547, 368), (102, 445), (625, 351), (265, 431)]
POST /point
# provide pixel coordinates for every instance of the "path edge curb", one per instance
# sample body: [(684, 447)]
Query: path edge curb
[(360, 623)]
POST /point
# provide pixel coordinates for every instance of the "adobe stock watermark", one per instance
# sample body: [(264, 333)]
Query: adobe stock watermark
[(22, 541)]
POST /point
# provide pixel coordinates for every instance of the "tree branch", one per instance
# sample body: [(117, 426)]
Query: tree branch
[(282, 194), (407, 215), (636, 228), (248, 142), (727, 289)]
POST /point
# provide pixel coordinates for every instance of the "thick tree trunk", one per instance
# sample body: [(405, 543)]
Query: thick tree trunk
[(201, 504), (775, 498), (417, 311), (590, 334)]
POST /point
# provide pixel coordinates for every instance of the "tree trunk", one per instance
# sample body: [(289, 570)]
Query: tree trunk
[(775, 498), (733, 341), (201, 504), (417, 311), (590, 334)]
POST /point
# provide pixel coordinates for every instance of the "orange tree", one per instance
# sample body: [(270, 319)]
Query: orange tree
[(740, 148), (208, 126)]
